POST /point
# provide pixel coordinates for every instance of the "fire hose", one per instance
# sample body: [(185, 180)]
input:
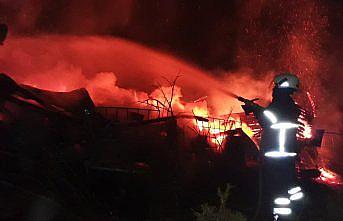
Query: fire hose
[(248, 104)]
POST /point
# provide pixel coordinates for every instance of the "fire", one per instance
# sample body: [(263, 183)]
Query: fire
[(247, 129), (329, 177), (133, 69), (218, 140), (305, 121), (307, 129), (168, 98), (215, 128)]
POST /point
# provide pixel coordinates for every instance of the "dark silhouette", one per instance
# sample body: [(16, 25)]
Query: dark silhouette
[(3, 33)]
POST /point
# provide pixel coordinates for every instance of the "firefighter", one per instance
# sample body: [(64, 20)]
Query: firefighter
[(279, 147)]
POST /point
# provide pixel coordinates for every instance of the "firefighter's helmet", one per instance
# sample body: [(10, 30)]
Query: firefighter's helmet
[(286, 80)]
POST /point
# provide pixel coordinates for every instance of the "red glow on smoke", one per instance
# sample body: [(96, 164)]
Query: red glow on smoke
[(119, 72), (275, 36)]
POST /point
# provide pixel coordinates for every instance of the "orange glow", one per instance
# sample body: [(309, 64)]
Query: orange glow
[(215, 128), (247, 129), (307, 129), (166, 95), (329, 177), (118, 72)]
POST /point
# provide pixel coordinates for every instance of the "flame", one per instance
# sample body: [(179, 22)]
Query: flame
[(167, 100), (329, 177), (247, 130), (215, 128), (200, 112), (218, 140), (307, 129)]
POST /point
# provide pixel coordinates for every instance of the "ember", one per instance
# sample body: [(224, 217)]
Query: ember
[(94, 125), (329, 177), (306, 129)]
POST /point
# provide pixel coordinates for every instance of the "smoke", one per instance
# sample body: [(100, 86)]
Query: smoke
[(115, 71), (270, 37), (104, 90)]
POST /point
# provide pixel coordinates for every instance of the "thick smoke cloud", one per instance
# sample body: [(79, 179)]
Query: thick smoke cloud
[(65, 63)]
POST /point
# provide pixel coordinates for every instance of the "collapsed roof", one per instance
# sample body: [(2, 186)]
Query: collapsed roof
[(73, 103)]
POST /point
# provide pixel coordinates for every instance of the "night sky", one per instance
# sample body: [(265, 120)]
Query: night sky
[(207, 33)]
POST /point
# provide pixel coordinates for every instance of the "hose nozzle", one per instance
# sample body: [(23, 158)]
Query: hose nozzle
[(247, 101)]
